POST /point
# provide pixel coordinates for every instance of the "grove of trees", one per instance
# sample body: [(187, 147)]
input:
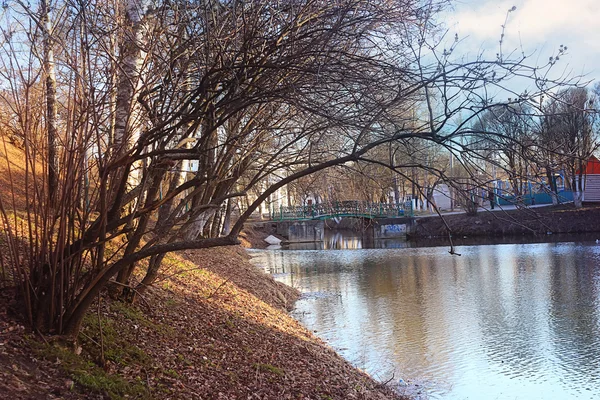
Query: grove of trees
[(142, 121), (528, 143)]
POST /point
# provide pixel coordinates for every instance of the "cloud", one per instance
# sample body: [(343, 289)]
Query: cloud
[(533, 19), (536, 25)]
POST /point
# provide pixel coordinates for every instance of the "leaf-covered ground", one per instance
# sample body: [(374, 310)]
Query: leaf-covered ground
[(213, 327)]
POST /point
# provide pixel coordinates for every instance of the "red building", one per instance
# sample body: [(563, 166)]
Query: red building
[(591, 179)]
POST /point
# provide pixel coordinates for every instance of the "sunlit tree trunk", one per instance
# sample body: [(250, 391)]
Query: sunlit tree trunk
[(50, 80), (128, 81), (227, 218), (127, 119)]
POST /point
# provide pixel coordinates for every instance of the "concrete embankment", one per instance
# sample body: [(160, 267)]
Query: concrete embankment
[(553, 219)]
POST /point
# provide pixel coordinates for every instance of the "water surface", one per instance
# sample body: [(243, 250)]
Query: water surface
[(509, 321)]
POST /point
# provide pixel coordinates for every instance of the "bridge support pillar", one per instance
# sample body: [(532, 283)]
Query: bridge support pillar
[(301, 231), (387, 228)]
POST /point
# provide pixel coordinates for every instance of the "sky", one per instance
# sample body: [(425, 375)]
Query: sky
[(540, 26)]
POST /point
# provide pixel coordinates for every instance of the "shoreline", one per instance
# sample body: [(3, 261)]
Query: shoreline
[(213, 327), (216, 326), (530, 224), (560, 219)]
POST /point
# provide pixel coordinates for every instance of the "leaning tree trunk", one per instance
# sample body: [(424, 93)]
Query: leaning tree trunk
[(215, 227), (126, 111), (126, 115), (163, 225), (128, 79)]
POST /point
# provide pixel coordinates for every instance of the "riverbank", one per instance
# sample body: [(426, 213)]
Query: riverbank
[(213, 327), (530, 221)]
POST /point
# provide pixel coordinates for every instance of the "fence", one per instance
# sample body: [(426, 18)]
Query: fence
[(342, 209)]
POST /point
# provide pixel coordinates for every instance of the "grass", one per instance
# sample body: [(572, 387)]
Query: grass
[(270, 368), (114, 345), (136, 316), (89, 376), (118, 348)]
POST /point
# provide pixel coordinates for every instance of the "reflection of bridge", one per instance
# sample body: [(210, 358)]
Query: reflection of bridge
[(338, 209)]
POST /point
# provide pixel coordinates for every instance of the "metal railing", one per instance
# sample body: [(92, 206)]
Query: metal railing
[(361, 209)]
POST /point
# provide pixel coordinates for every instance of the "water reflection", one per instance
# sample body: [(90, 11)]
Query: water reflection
[(337, 240), (352, 240), (518, 321)]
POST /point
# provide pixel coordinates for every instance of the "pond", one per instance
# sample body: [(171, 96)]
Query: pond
[(500, 321)]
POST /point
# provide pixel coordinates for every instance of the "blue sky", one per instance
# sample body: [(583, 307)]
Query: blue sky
[(540, 26)]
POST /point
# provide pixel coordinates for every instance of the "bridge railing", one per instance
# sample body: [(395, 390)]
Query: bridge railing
[(342, 209)]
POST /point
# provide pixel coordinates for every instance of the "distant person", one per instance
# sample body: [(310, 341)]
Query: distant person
[(492, 198)]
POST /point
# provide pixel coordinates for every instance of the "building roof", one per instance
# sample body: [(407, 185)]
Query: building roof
[(592, 167)]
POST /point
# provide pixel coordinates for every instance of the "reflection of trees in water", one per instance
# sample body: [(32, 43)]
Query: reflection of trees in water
[(403, 302), (345, 239), (537, 309), (526, 311), (342, 240), (574, 314), (329, 278), (512, 291)]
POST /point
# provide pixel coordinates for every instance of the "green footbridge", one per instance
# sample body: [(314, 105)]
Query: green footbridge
[(355, 209)]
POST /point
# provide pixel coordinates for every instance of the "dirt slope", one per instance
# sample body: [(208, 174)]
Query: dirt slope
[(213, 327)]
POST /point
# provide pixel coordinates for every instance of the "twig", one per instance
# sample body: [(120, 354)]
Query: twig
[(180, 272), (90, 338), (256, 375), (147, 378), (389, 380), (102, 361), (42, 336), (138, 294), (226, 281), (437, 211)]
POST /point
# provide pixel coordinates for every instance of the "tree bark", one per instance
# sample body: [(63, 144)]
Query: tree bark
[(50, 79), (128, 80), (227, 218)]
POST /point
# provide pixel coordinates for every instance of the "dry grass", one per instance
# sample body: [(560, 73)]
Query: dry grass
[(216, 328), (12, 175)]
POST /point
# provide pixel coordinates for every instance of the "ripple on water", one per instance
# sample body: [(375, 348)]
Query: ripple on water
[(505, 321), (318, 295)]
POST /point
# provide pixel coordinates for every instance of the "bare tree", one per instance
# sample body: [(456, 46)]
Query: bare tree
[(575, 123), (228, 93), (507, 141)]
